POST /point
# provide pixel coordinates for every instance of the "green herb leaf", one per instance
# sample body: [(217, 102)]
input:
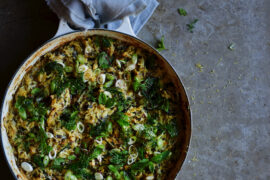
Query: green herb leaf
[(115, 171), (104, 129), (165, 105), (97, 151), (53, 67), (121, 103), (140, 165), (38, 160), (71, 157), (105, 100), (70, 176), (103, 60), (172, 128), (136, 84), (151, 167), (191, 26), (121, 119), (182, 12), (58, 164), (141, 152), (76, 86), (43, 146), (68, 119), (118, 157), (22, 113), (81, 59), (161, 157), (161, 45), (35, 91)]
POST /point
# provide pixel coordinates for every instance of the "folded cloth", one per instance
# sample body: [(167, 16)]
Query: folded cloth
[(87, 14)]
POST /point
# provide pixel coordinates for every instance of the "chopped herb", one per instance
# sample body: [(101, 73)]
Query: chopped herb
[(54, 67), (172, 128), (121, 119), (141, 152), (118, 157), (68, 119), (140, 165), (70, 176), (72, 157), (151, 91), (151, 167), (136, 84), (96, 152), (121, 102), (105, 100), (199, 66), (81, 59), (106, 42), (58, 163), (22, 113), (125, 175), (78, 166), (115, 171), (103, 129), (35, 91), (182, 12), (161, 45), (103, 60), (43, 146), (161, 157), (191, 26), (38, 160), (165, 105), (76, 85), (68, 69)]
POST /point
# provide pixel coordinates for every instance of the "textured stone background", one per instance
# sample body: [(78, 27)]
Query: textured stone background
[(229, 97)]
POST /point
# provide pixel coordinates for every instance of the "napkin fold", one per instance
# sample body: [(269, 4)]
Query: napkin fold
[(87, 14)]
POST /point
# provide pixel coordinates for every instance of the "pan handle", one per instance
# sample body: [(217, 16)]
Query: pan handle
[(125, 27), (63, 28)]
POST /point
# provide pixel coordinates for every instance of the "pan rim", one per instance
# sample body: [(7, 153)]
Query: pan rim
[(187, 137)]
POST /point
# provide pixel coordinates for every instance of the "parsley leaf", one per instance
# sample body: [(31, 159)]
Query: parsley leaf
[(121, 102), (160, 157), (161, 45), (172, 128), (38, 160), (81, 59), (182, 12), (105, 100), (43, 146), (136, 84), (140, 165), (115, 171), (151, 91), (96, 152), (191, 26), (68, 119), (103, 129), (121, 119), (118, 157), (76, 85), (58, 164), (103, 60), (53, 67)]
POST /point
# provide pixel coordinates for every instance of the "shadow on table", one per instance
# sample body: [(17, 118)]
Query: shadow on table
[(24, 26)]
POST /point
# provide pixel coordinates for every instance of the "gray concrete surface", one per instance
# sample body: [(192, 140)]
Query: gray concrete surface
[(230, 98)]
